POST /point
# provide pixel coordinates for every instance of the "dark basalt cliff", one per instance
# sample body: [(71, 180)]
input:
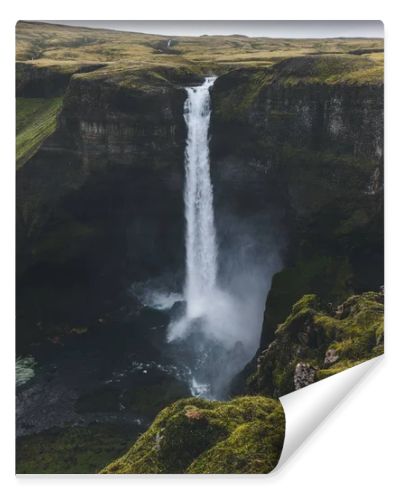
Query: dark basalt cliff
[(47, 81), (100, 204), (295, 148), (312, 149)]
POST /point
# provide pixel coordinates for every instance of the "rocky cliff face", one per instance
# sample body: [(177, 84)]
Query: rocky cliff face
[(100, 204), (316, 341), (47, 81), (309, 147), (296, 156)]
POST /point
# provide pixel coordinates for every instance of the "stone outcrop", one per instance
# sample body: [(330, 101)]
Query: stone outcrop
[(313, 343), (304, 375), (196, 436)]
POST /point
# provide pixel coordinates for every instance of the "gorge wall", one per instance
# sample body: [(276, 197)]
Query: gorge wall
[(100, 204), (311, 148), (296, 160)]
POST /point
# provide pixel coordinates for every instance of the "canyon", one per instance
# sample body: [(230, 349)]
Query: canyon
[(296, 167)]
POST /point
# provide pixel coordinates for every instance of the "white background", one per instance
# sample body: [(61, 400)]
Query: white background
[(355, 452)]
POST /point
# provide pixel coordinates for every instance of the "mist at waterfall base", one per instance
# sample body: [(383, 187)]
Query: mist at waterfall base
[(216, 327)]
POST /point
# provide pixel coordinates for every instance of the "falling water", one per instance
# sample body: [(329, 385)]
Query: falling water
[(216, 328), (201, 247)]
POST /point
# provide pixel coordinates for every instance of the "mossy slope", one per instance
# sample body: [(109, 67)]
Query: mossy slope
[(36, 120), (316, 341), (330, 70), (244, 435)]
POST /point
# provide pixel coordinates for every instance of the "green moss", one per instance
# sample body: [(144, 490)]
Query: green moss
[(305, 305), (186, 435), (244, 86), (244, 435), (328, 277), (327, 339), (329, 70), (358, 332), (72, 450), (241, 91), (36, 120), (153, 77)]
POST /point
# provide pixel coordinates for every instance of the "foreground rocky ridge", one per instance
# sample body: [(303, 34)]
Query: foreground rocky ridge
[(246, 434), (316, 341), (242, 436)]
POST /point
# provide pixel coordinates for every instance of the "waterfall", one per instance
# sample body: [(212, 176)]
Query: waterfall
[(201, 246), (216, 329)]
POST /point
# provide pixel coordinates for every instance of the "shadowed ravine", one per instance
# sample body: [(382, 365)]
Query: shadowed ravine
[(181, 235), (166, 341)]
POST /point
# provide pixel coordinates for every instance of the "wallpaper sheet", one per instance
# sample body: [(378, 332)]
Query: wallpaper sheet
[(199, 220)]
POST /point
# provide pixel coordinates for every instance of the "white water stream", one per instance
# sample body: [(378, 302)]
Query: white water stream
[(201, 246), (218, 327)]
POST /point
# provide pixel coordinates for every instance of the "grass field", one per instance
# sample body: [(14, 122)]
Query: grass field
[(36, 120), (44, 44)]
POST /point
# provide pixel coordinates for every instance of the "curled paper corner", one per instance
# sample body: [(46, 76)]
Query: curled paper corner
[(307, 408)]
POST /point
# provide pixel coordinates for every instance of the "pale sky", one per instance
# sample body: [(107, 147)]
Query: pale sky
[(273, 29)]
